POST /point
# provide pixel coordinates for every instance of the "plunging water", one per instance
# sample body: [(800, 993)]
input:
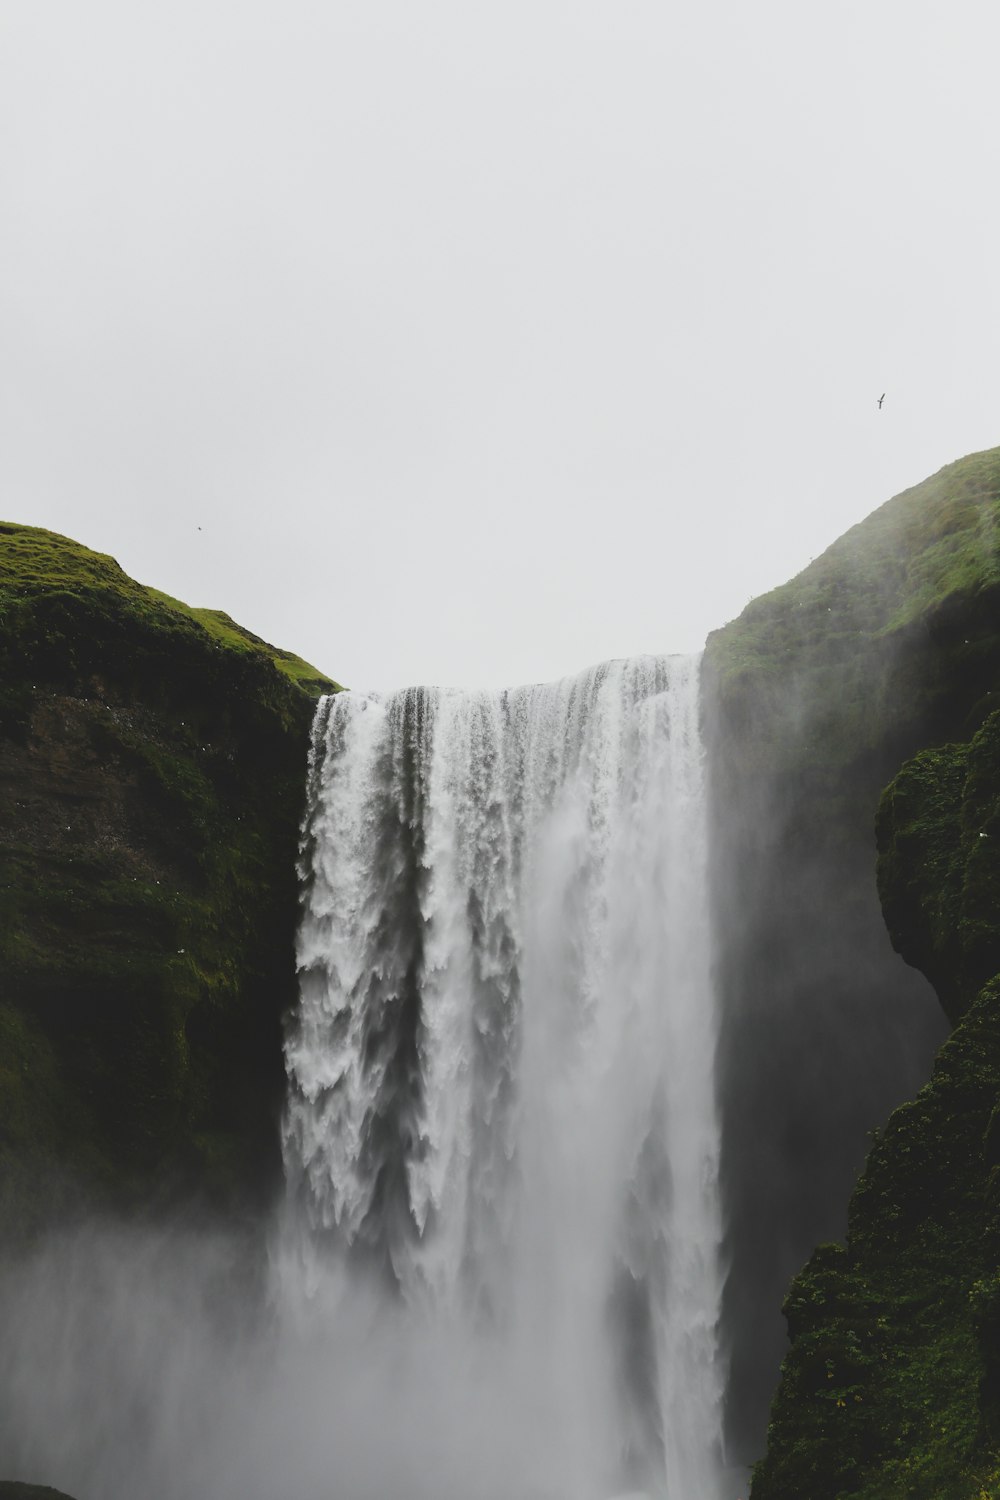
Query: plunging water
[(501, 1073)]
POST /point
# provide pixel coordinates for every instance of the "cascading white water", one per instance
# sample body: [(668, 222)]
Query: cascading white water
[(501, 1086)]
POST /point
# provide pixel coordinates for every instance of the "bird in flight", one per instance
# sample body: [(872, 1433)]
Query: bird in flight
[(880, 400)]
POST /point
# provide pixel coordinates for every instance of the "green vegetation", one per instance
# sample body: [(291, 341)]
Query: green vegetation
[(236, 638), (939, 864), (934, 543), (151, 768), (891, 1388), (40, 570), (893, 631), (882, 1392), (887, 647)]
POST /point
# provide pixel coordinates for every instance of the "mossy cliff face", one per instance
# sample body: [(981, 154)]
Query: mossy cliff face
[(939, 865), (151, 769), (887, 644), (892, 1384)]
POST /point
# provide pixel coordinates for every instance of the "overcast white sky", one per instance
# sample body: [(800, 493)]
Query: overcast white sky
[(484, 339)]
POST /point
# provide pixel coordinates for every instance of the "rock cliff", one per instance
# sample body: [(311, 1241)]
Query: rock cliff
[(889, 1388), (151, 770), (887, 644), (892, 1384)]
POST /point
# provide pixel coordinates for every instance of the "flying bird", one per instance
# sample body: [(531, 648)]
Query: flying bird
[(880, 400)]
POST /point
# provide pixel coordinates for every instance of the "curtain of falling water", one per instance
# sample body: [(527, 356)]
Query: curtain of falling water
[(501, 1087)]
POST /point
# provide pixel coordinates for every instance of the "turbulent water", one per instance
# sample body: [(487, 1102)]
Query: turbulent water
[(496, 1273), (501, 1096)]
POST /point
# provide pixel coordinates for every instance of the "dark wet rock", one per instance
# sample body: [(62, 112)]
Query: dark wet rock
[(152, 762)]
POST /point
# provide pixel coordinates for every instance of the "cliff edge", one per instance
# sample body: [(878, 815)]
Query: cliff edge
[(886, 645), (152, 764), (891, 1386)]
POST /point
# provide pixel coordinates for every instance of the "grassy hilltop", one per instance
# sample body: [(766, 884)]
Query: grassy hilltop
[(894, 632)]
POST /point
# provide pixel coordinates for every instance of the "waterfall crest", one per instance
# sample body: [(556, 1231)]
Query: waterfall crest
[(501, 1073)]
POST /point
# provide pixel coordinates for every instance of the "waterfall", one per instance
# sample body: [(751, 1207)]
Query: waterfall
[(501, 1090)]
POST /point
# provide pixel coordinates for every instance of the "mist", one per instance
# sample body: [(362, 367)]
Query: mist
[(170, 1363), (824, 1028), (495, 1273)]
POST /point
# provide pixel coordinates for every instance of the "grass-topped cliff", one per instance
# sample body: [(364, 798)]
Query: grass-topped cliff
[(878, 667), (887, 643), (151, 768), (893, 631)]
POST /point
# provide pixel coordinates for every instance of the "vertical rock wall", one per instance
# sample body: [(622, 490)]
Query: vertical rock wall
[(151, 772)]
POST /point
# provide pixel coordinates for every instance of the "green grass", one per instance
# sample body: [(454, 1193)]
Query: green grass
[(932, 543), (35, 563), (223, 628), (878, 642)]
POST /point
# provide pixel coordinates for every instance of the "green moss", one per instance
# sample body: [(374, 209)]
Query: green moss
[(50, 576), (939, 864), (916, 1289), (885, 646), (152, 759), (894, 624), (936, 541), (881, 1393), (225, 629), (27, 1075)]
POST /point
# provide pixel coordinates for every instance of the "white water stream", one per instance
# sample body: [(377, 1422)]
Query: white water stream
[(501, 1075)]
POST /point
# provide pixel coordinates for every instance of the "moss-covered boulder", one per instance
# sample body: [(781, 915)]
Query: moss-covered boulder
[(151, 770)]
